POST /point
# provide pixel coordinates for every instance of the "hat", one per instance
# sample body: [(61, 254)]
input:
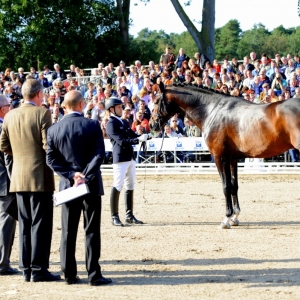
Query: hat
[(127, 108), (265, 85), (122, 62), (3, 101)]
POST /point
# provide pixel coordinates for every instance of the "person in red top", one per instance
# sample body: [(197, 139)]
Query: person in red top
[(141, 121)]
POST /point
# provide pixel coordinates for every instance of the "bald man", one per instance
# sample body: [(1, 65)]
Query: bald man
[(75, 151)]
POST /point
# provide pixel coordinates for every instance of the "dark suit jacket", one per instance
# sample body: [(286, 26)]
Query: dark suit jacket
[(122, 138), (75, 144), (63, 75)]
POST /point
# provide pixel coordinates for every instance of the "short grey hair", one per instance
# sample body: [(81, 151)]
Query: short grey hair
[(30, 88)]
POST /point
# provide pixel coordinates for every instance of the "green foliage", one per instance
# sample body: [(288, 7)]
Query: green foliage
[(36, 32), (227, 39)]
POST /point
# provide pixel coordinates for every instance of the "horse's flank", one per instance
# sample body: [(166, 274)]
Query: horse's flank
[(238, 128)]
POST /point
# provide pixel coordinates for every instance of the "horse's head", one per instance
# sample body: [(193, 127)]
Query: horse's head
[(166, 108)]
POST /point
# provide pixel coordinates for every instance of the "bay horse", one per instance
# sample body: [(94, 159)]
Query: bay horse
[(233, 128)]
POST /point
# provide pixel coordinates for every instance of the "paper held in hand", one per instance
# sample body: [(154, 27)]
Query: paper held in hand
[(70, 194)]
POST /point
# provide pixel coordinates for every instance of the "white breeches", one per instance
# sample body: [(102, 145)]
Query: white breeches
[(124, 172)]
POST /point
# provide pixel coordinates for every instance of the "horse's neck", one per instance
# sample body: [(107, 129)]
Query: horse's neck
[(199, 111)]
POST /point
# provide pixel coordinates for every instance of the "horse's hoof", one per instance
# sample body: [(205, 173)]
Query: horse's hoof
[(225, 225), (234, 222)]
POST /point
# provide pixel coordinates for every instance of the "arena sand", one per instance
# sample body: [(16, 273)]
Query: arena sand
[(180, 253)]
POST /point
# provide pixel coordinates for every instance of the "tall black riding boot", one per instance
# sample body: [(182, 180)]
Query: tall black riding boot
[(130, 218), (114, 207)]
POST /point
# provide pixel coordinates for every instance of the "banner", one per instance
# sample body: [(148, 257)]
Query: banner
[(169, 144)]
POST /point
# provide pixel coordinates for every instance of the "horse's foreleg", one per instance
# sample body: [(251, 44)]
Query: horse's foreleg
[(234, 193), (223, 165)]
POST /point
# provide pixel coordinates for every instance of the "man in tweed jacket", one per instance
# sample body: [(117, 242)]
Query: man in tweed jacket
[(24, 136)]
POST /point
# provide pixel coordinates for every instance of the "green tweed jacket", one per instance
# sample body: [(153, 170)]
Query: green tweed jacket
[(24, 136)]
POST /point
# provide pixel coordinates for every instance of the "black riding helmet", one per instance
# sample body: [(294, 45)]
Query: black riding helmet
[(112, 102)]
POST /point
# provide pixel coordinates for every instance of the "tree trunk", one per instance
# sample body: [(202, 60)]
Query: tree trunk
[(123, 9), (205, 40)]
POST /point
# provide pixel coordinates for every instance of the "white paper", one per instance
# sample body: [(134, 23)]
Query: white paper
[(70, 194)]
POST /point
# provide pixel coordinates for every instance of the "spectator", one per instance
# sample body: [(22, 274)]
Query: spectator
[(216, 65), (234, 65), (140, 121), (278, 84), (43, 80), (167, 59), (180, 58), (289, 69), (58, 73), (248, 81)]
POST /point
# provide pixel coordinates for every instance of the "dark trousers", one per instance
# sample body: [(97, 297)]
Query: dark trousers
[(7, 233), (71, 211), (35, 230)]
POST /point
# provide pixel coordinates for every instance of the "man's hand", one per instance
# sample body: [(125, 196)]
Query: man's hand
[(78, 178)]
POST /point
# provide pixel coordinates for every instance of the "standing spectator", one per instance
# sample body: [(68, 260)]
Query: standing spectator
[(122, 139), (167, 59), (7, 222), (252, 58), (32, 180)]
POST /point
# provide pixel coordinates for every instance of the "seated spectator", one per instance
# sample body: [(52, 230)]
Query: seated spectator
[(144, 109), (264, 92), (216, 66), (56, 114), (188, 78), (174, 125), (252, 96), (21, 75), (180, 74), (287, 94), (48, 74), (278, 84), (190, 130), (184, 67), (58, 73), (91, 92), (273, 97), (58, 84), (198, 82), (219, 85), (43, 80), (289, 69), (234, 65), (297, 93), (140, 121), (292, 86), (144, 95), (126, 115), (224, 89)]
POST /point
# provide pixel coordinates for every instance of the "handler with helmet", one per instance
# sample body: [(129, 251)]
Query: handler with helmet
[(122, 138)]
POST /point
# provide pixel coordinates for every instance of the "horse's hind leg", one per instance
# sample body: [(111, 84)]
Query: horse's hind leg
[(234, 193), (223, 165)]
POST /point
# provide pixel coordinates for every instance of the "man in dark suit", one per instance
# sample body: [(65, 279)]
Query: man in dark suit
[(24, 136), (58, 73), (7, 222), (75, 152), (122, 139)]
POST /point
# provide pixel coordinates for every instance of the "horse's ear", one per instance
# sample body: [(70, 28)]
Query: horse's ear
[(162, 87)]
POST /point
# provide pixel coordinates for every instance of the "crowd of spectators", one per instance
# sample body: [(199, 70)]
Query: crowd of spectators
[(256, 79)]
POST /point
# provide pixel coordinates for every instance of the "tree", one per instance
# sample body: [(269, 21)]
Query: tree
[(227, 39), (204, 39), (41, 32), (123, 8)]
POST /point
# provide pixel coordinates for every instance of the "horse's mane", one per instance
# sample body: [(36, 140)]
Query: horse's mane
[(198, 88)]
